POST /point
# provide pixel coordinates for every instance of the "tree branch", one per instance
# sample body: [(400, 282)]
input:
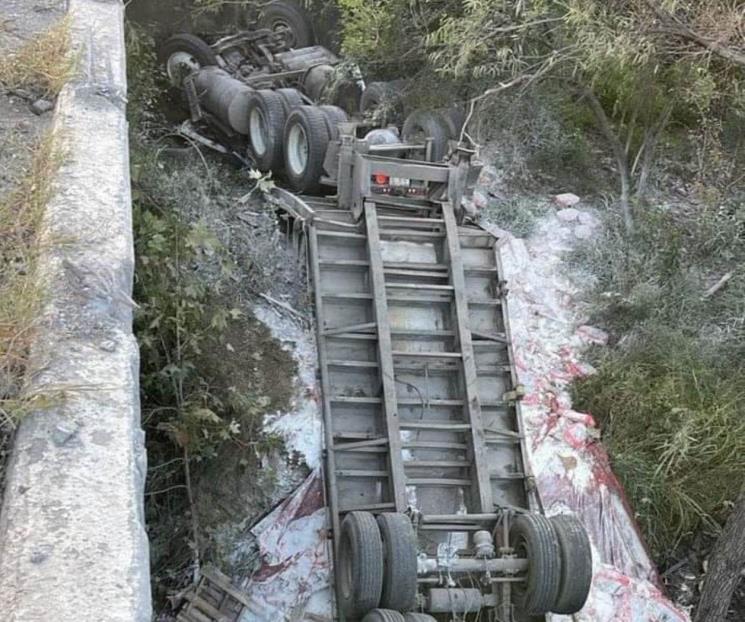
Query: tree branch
[(676, 27)]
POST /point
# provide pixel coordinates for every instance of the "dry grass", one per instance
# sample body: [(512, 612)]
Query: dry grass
[(21, 294), (43, 65)]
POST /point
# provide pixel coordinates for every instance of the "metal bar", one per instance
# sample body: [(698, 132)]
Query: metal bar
[(355, 328), (458, 518), (438, 481), (326, 400), (472, 408), (360, 444), (531, 491), (387, 378)]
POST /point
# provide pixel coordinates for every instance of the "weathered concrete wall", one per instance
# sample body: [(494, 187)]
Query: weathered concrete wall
[(72, 539)]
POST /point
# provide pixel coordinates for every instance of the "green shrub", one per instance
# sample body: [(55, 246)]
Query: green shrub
[(673, 424)]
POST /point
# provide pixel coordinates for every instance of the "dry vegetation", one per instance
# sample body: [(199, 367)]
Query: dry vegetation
[(43, 65), (40, 67)]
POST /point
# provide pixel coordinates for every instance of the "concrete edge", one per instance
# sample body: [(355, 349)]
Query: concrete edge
[(73, 545)]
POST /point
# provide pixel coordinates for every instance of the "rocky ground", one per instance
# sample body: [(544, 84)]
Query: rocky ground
[(24, 115)]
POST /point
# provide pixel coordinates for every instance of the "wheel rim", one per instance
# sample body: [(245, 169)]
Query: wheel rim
[(281, 27), (297, 149), (180, 65), (258, 131)]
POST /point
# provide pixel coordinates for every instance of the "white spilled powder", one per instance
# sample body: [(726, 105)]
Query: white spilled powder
[(301, 427), (549, 337)]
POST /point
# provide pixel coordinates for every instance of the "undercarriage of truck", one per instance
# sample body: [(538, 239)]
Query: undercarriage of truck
[(434, 513)]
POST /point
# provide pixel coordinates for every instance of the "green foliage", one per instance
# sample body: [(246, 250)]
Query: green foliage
[(669, 394), (673, 424), (179, 313)]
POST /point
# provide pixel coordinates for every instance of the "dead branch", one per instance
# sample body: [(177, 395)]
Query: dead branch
[(717, 286), (675, 27)]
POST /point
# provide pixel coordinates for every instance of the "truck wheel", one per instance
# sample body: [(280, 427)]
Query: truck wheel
[(306, 138), (418, 617), (289, 19), (534, 538), (292, 98), (399, 555), (334, 116), (422, 124), (383, 95), (266, 120), (360, 564), (454, 117), (184, 54), (384, 615), (576, 564)]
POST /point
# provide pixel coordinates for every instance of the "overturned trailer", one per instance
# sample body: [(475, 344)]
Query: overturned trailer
[(434, 512)]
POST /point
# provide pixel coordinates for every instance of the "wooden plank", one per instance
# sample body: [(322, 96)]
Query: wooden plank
[(472, 409), (203, 606), (387, 378), (224, 583)]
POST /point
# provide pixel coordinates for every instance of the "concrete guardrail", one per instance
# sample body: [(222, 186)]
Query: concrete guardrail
[(72, 534)]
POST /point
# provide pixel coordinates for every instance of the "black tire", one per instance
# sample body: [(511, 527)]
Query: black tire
[(291, 18), (454, 118), (360, 564), (533, 537), (418, 617), (422, 124), (334, 116), (292, 98), (576, 564), (386, 95), (198, 50), (304, 176), (266, 122), (400, 559)]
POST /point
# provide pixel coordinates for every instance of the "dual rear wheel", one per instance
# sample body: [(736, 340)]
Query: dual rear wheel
[(377, 566), (559, 564)]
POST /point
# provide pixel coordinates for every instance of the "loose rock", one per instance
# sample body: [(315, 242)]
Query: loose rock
[(583, 232), (40, 106), (567, 199), (568, 215)]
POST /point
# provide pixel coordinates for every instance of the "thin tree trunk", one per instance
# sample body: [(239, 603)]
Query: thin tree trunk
[(649, 150), (726, 563), (619, 152)]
